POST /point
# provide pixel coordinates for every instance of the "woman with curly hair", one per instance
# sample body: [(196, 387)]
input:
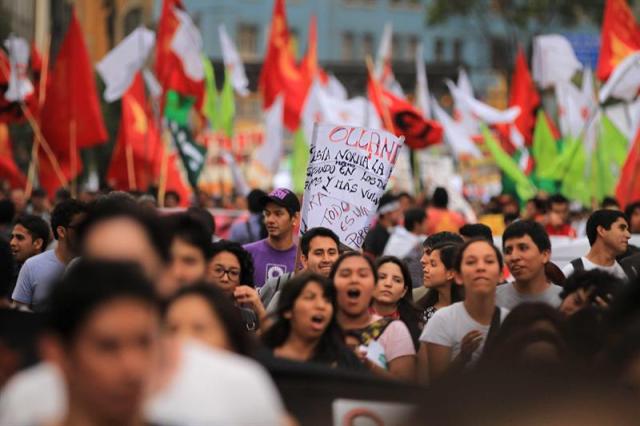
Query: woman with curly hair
[(231, 270)]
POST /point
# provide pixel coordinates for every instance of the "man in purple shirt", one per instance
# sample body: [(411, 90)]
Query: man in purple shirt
[(276, 254)]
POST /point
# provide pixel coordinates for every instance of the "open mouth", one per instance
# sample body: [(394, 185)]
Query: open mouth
[(353, 293), (318, 319)]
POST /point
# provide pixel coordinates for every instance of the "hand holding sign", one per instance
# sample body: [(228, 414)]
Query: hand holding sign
[(348, 171)]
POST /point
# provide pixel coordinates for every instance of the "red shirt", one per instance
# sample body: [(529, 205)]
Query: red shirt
[(564, 230)]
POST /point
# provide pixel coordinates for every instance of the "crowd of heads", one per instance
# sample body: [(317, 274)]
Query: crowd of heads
[(130, 276)]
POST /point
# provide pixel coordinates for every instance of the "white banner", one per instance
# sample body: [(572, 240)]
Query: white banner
[(348, 171)]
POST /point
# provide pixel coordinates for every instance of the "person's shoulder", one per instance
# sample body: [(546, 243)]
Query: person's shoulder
[(554, 289), (503, 313), (505, 288), (254, 245), (448, 311), (45, 256)]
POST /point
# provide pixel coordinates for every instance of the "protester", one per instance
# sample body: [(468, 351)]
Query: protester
[(19, 200), (319, 249), (171, 199), (231, 270), (527, 250), (30, 237), (632, 212), (392, 297), (384, 344), (429, 243), (305, 327), (456, 335), (190, 248), (39, 205), (610, 203), (439, 217), (276, 254), (39, 272), (206, 218), (558, 223), (205, 313), (608, 234), (251, 228), (596, 287), (389, 216), (406, 241)]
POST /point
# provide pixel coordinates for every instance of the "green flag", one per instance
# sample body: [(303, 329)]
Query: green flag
[(609, 156), (524, 187), (571, 172), (210, 104), (299, 160), (227, 109), (176, 112), (544, 148)]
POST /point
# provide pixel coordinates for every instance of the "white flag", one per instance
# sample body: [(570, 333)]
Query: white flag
[(624, 81), (153, 85), (383, 70), (422, 86), (321, 107), (119, 67), (454, 133), (480, 110), (573, 109), (233, 63), (553, 60), (335, 88), (270, 152), (464, 82), (239, 182), (19, 84), (187, 45), (588, 89)]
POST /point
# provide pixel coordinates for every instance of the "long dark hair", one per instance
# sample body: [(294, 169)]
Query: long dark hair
[(406, 309), (331, 347), (448, 252)]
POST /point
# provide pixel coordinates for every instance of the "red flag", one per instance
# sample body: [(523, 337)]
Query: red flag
[(309, 65), (10, 112), (136, 158), (8, 168), (628, 188), (403, 119), (524, 95), (280, 74), (620, 36), (168, 66), (71, 109)]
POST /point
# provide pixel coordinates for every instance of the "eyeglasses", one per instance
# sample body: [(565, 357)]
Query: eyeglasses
[(233, 274)]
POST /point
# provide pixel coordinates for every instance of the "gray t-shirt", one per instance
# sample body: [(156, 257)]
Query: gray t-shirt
[(508, 297), (36, 277)]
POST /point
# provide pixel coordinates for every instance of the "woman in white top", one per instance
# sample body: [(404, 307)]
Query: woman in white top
[(455, 335)]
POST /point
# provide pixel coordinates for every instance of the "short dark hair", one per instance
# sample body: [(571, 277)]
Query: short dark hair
[(604, 284), (610, 202), (440, 198), (442, 237), (319, 231), (254, 201), (465, 246), (558, 199), (106, 209), (473, 230), (604, 218), (174, 194), (628, 211), (191, 230), (533, 229), (205, 216), (90, 284), (64, 212), (7, 210), (37, 227), (223, 308), (413, 217), (244, 259)]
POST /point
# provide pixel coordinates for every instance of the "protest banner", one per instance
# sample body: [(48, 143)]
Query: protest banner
[(348, 171)]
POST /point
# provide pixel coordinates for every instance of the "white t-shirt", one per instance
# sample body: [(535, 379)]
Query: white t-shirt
[(508, 297), (210, 387), (614, 269), (449, 325)]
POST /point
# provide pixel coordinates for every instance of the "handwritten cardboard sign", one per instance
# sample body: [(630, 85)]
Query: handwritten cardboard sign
[(348, 171)]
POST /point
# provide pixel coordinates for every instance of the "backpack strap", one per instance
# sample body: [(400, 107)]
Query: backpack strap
[(578, 265)]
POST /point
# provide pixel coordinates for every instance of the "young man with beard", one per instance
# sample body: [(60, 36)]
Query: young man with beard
[(39, 272), (608, 234), (527, 249), (276, 254), (319, 249)]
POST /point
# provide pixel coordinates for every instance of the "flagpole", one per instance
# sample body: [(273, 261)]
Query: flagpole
[(73, 146), (385, 111), (131, 174), (162, 184)]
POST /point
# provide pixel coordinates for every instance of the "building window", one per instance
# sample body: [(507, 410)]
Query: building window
[(411, 49), (367, 44), (132, 20), (347, 46), (248, 41), (397, 52), (438, 50), (458, 50)]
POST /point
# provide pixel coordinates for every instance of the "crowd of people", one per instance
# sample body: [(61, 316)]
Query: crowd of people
[(144, 315)]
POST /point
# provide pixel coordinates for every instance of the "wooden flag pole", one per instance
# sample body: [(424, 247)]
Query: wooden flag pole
[(162, 187), (131, 174), (73, 147)]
